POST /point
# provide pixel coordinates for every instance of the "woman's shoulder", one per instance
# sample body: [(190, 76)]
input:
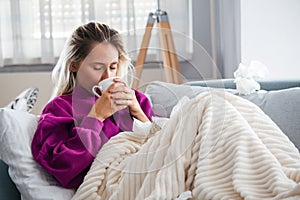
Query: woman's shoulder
[(62, 102), (61, 99)]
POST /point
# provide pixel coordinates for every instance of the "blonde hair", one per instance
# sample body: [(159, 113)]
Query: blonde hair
[(78, 46)]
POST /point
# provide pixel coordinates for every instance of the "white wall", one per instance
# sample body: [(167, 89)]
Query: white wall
[(11, 84), (271, 34)]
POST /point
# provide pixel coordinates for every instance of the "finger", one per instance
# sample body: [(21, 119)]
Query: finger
[(129, 90), (120, 81), (106, 95), (125, 102), (118, 107), (121, 95), (118, 88)]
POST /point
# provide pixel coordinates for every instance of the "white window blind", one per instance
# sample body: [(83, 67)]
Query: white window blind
[(34, 31)]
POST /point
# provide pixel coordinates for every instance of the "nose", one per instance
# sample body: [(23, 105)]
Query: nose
[(106, 74)]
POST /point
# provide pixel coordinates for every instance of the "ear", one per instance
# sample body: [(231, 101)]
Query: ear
[(74, 67)]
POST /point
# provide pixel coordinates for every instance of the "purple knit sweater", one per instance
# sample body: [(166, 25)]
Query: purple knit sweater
[(66, 140)]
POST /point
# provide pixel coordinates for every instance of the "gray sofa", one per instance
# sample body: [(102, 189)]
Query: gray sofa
[(280, 99)]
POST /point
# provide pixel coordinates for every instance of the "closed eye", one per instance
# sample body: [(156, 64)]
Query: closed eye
[(99, 67), (114, 66)]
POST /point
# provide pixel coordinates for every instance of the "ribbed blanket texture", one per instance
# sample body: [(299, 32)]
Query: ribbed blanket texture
[(216, 145)]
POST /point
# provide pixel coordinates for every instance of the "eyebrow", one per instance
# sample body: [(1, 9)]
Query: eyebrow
[(98, 63), (101, 63)]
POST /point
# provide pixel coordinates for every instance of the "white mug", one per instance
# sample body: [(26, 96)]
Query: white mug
[(103, 85)]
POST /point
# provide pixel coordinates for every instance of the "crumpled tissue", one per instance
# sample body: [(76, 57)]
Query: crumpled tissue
[(246, 77)]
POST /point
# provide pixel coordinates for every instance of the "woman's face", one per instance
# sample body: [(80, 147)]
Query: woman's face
[(100, 63)]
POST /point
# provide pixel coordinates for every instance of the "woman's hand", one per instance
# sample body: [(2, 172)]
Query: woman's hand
[(122, 95), (104, 106), (117, 97)]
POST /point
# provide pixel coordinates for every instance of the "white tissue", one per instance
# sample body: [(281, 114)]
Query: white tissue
[(246, 77), (246, 86)]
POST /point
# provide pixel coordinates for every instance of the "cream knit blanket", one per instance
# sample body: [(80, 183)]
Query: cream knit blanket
[(216, 145)]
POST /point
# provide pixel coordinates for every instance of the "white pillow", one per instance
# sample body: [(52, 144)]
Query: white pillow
[(16, 131)]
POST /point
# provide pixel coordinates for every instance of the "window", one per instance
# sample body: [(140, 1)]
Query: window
[(34, 31)]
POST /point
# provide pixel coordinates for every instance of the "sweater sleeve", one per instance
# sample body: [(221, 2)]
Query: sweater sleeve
[(64, 147), (145, 104)]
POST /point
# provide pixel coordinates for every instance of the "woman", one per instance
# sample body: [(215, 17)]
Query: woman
[(75, 124)]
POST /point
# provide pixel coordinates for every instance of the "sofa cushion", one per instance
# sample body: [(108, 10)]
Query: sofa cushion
[(282, 106), (164, 96)]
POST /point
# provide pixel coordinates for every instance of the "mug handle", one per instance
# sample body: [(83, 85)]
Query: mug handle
[(95, 91)]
